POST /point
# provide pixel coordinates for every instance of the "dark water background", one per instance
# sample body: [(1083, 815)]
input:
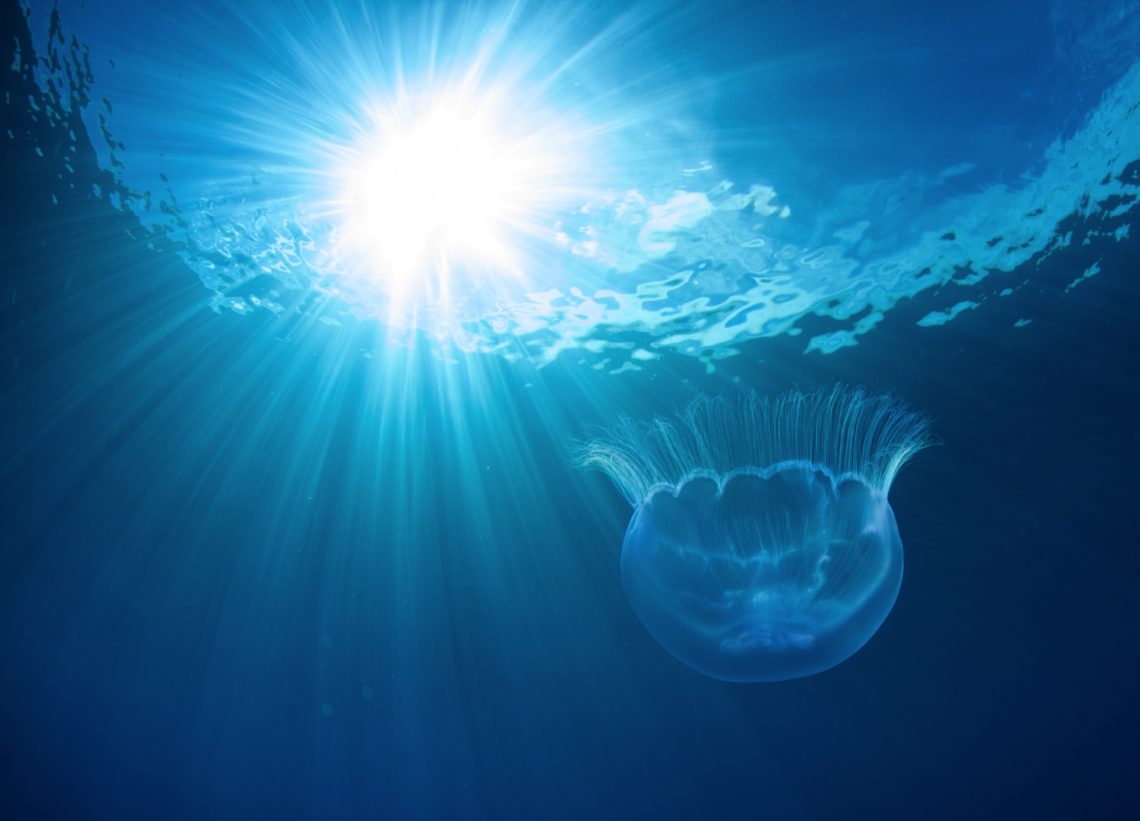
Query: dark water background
[(247, 572)]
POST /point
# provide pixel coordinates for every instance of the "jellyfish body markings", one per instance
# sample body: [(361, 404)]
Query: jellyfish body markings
[(767, 575), (762, 546)]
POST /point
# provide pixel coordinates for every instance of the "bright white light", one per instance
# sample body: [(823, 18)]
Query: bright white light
[(443, 188)]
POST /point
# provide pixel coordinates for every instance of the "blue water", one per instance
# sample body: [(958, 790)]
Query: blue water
[(293, 528)]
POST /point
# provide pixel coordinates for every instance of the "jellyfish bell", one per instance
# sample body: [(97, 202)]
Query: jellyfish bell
[(762, 546), (767, 575)]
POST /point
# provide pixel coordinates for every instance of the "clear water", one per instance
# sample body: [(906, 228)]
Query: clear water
[(288, 534)]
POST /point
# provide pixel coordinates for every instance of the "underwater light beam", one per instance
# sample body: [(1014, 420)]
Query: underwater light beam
[(452, 171)]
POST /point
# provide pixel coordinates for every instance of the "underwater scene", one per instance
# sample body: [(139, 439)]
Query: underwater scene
[(517, 409)]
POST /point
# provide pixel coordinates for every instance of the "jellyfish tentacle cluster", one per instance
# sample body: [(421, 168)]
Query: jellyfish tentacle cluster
[(762, 546)]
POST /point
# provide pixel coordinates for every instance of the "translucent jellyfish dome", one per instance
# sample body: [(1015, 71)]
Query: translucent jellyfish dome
[(762, 546)]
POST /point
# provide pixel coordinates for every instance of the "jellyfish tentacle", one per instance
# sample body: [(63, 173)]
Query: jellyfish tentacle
[(846, 430)]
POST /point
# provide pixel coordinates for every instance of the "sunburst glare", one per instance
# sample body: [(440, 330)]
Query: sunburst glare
[(448, 184)]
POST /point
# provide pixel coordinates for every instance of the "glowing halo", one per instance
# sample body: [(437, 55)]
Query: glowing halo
[(450, 184)]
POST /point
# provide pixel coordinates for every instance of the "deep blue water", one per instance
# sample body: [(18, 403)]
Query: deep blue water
[(258, 564)]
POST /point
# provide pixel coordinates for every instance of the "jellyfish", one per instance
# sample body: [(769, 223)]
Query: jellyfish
[(762, 546)]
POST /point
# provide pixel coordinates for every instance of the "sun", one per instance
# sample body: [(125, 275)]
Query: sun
[(443, 186)]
